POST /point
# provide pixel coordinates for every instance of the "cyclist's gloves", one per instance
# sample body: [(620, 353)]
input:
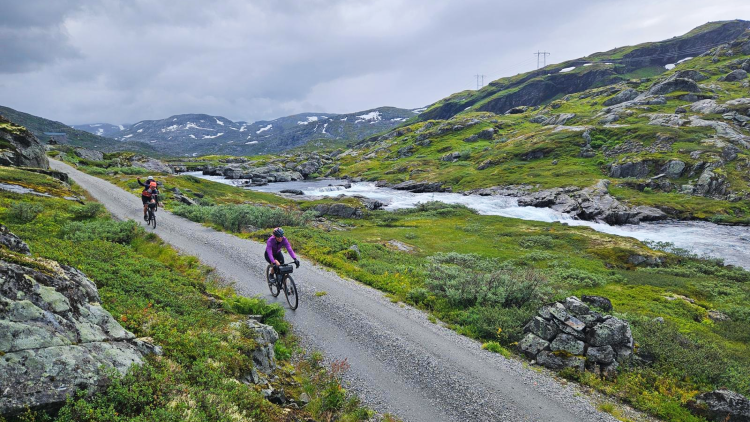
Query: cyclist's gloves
[(296, 262)]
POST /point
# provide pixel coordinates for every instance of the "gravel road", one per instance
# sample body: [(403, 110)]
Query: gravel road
[(400, 362)]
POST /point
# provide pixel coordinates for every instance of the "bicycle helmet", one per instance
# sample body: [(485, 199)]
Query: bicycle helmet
[(150, 178), (278, 232)]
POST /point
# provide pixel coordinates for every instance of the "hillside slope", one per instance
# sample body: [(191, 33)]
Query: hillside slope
[(39, 125), (677, 141), (199, 134)]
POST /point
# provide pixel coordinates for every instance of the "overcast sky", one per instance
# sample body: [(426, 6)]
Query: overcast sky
[(123, 61)]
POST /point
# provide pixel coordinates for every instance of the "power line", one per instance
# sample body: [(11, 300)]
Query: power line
[(478, 76), (542, 54)]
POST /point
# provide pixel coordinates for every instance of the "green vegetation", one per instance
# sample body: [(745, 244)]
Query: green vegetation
[(239, 218), (180, 304)]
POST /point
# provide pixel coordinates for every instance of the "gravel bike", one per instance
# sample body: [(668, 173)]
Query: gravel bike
[(282, 280), (151, 214)]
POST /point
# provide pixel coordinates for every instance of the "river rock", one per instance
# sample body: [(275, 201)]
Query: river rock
[(722, 406), (13, 242), (292, 191), (55, 338), (421, 187)]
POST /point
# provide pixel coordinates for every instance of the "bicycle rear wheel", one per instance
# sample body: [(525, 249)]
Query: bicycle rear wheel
[(271, 280), (290, 291)]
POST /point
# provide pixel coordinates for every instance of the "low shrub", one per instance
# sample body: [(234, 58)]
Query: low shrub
[(536, 242), (24, 212), (237, 218), (87, 211), (273, 313), (122, 232)]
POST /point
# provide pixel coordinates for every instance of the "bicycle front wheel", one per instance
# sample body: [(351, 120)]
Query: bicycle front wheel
[(290, 291), (153, 219), (271, 280)]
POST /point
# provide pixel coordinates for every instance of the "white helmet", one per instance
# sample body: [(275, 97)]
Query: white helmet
[(150, 178)]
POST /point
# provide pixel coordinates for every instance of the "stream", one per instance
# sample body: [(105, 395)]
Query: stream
[(731, 243)]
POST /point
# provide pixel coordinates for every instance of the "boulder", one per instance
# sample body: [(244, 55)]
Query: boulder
[(600, 302), (735, 75), (729, 153), (19, 147), (292, 191), (486, 134), (672, 85), (613, 331), (13, 242), (621, 97), (674, 169), (707, 107), (553, 361), (89, 154), (184, 199), (151, 164), (338, 210), (531, 345), (265, 338), (693, 75), (55, 338), (722, 406), (601, 354), (421, 187), (567, 343), (541, 328), (638, 170), (372, 204), (668, 120), (576, 306), (710, 184)]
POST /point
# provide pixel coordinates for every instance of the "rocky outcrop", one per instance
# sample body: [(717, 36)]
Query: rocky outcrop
[(569, 334), (338, 210), (89, 154), (151, 164), (256, 175), (621, 97), (722, 406), (593, 203), (55, 338), (707, 107), (637, 170), (735, 75), (420, 187), (555, 119), (672, 85), (19, 147), (13, 242)]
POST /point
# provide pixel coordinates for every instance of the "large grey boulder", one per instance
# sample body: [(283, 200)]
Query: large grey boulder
[(265, 338), (600, 302), (612, 331), (710, 184), (735, 75), (601, 354), (55, 338), (638, 170), (722, 406), (674, 169), (568, 343), (338, 210), (19, 147), (89, 154), (151, 164), (672, 85), (531, 345), (707, 107)]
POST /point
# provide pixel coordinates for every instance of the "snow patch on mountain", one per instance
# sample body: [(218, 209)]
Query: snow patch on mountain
[(212, 137), (263, 129), (310, 119), (170, 128), (372, 117), (191, 125), (219, 121)]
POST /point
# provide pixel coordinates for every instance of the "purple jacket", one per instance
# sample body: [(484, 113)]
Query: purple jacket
[(272, 247)]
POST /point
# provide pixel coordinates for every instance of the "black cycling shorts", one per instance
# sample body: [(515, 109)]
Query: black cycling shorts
[(278, 255), (145, 199)]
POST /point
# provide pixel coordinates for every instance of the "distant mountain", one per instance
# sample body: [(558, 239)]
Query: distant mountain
[(39, 125), (201, 134), (103, 129)]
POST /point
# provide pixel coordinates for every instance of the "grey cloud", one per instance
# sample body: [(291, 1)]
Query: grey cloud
[(123, 61)]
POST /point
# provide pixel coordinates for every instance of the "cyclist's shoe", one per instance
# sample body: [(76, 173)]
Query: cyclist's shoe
[(145, 217)]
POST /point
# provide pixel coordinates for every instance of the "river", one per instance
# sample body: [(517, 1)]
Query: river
[(731, 243)]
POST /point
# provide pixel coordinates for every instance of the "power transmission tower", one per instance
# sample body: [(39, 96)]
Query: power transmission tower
[(543, 54), (480, 77)]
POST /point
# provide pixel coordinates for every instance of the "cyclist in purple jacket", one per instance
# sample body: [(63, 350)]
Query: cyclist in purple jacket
[(274, 244)]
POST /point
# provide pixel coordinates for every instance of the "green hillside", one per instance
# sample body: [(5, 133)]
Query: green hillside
[(39, 125)]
